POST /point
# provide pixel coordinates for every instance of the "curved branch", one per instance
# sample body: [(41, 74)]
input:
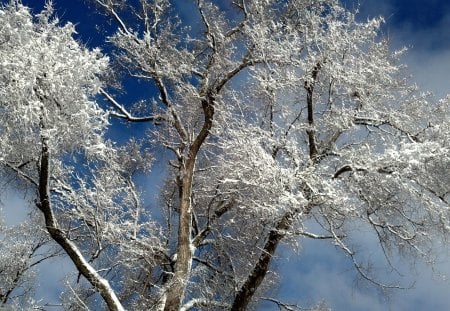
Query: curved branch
[(44, 204), (347, 168)]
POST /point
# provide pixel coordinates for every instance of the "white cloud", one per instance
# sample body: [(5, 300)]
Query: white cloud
[(52, 276), (427, 38), (323, 273)]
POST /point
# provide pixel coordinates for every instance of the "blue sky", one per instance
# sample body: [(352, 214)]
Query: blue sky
[(319, 272), (424, 28)]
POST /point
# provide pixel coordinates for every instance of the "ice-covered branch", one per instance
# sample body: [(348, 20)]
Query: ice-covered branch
[(256, 276)]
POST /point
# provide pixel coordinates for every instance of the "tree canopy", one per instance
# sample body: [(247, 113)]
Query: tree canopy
[(275, 121)]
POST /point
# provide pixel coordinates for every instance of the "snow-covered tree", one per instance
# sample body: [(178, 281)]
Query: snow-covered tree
[(47, 83), (284, 121), (22, 248)]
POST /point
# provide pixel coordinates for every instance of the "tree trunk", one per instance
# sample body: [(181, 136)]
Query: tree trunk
[(176, 290)]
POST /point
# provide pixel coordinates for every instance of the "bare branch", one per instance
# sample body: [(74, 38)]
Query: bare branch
[(109, 7), (20, 173), (124, 114), (282, 305)]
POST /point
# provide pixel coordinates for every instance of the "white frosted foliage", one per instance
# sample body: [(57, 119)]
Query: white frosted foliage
[(269, 121), (47, 84)]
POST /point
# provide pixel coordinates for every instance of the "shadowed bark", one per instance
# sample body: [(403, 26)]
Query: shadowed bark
[(254, 280)]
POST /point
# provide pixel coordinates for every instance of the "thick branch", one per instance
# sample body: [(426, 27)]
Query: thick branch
[(200, 237), (44, 204), (254, 280), (309, 87)]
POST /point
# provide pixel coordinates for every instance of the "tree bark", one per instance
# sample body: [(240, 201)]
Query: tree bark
[(176, 290), (311, 132), (254, 280), (85, 269)]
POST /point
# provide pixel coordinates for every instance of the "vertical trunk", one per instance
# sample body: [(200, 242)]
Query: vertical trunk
[(310, 131), (44, 204), (176, 290), (254, 280), (309, 87)]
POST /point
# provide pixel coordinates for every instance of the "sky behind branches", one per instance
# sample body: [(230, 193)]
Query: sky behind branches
[(319, 272)]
